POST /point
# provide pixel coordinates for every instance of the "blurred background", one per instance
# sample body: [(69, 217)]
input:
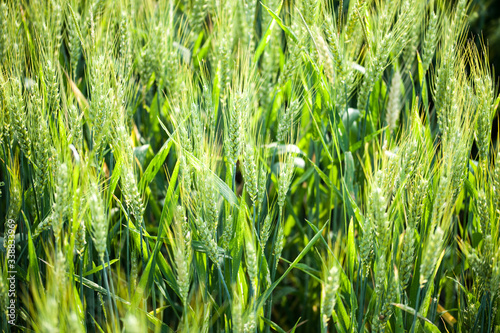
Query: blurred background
[(485, 21)]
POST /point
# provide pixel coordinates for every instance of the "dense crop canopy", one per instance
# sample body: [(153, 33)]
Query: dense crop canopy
[(247, 166)]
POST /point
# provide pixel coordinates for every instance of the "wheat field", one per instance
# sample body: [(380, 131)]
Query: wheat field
[(247, 166)]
